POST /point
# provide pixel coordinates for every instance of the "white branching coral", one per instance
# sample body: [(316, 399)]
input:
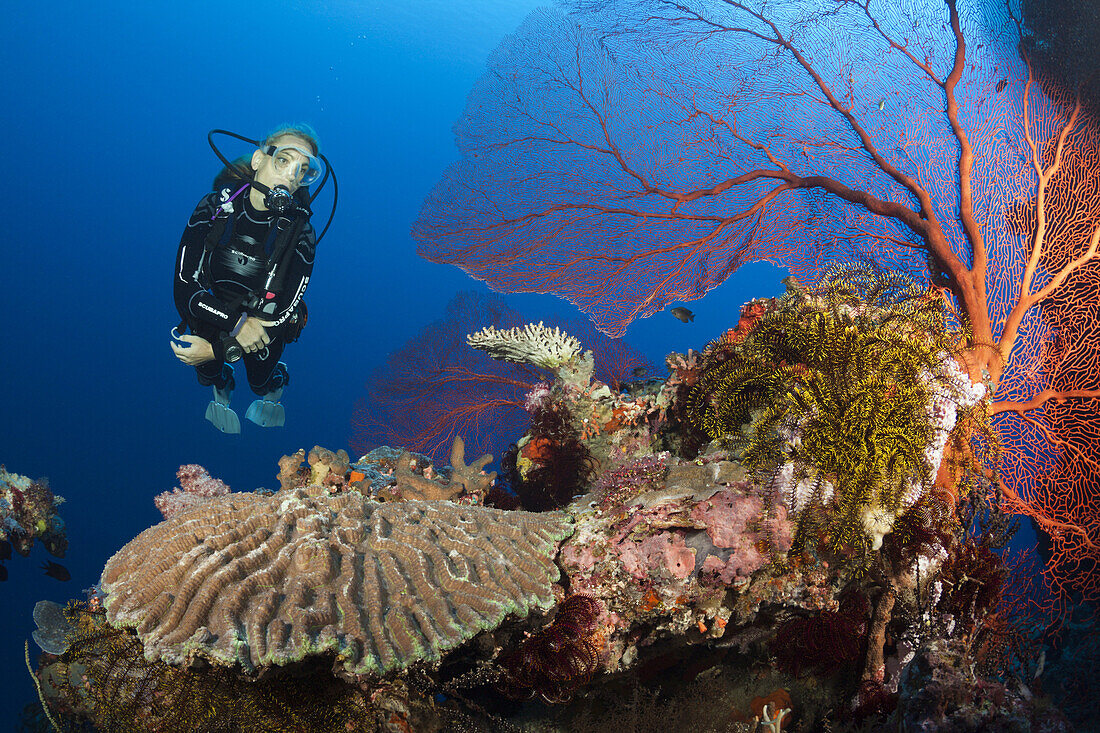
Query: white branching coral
[(533, 344)]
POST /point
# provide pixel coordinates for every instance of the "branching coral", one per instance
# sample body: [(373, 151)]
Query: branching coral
[(533, 344), (559, 659)]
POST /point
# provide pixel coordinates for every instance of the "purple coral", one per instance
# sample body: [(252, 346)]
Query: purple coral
[(196, 486)]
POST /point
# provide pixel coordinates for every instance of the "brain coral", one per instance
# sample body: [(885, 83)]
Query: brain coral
[(261, 580)]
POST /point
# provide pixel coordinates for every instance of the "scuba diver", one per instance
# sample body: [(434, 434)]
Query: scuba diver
[(244, 261)]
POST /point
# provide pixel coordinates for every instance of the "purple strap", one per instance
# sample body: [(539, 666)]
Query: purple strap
[(238, 193)]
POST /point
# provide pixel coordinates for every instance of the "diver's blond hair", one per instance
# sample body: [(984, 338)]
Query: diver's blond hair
[(297, 129)]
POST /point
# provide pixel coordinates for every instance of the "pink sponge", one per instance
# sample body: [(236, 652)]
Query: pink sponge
[(736, 522), (727, 515), (665, 549)]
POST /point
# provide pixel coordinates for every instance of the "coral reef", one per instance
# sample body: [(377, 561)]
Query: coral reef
[(725, 549), (261, 580), (391, 474), (939, 692), (28, 512), (666, 558), (797, 530), (845, 395), (196, 486)]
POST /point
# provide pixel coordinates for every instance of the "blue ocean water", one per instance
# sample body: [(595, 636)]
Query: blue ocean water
[(108, 107)]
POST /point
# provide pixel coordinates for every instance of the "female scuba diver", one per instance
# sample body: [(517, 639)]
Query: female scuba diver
[(243, 265)]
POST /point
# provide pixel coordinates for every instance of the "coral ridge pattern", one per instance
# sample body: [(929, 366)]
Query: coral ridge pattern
[(263, 580)]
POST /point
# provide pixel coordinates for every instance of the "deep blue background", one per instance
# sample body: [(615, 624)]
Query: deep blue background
[(108, 106)]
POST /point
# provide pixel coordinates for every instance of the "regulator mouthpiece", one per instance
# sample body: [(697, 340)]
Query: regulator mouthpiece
[(279, 200)]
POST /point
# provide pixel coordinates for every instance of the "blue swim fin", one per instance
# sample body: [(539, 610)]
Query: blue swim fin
[(266, 411), (219, 413)]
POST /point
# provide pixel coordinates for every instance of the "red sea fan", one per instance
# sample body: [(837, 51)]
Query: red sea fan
[(436, 387)]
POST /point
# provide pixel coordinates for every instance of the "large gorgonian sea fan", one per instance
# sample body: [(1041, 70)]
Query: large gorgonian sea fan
[(828, 397), (637, 152)]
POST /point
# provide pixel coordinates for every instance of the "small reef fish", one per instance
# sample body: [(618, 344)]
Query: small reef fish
[(683, 313), (58, 572), (1001, 85), (639, 371), (880, 103), (5, 550)]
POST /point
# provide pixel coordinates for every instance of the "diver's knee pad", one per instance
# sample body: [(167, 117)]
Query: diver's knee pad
[(223, 380), (278, 379)]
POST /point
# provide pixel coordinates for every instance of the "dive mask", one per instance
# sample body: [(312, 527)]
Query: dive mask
[(298, 165)]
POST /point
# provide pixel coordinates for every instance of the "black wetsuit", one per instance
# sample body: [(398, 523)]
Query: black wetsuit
[(209, 280)]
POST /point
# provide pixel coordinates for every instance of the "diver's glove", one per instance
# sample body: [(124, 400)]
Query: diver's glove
[(218, 412), (266, 411)]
